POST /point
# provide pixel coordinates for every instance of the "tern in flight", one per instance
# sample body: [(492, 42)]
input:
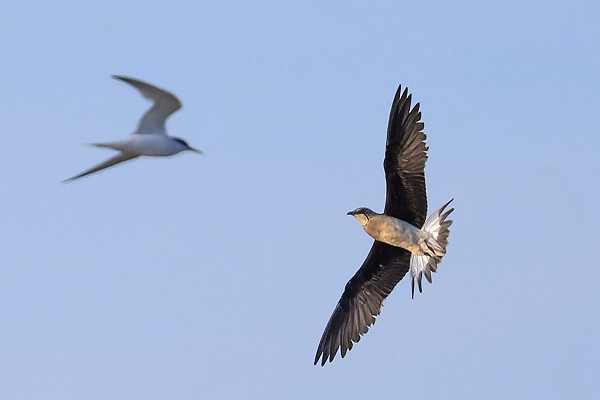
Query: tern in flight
[(150, 137), (404, 240)]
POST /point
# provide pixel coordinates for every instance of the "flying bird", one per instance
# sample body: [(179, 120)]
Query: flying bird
[(404, 240), (150, 137)]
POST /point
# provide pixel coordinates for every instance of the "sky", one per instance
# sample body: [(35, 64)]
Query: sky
[(214, 275)]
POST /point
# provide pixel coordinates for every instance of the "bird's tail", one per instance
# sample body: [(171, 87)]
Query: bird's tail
[(107, 145), (438, 226)]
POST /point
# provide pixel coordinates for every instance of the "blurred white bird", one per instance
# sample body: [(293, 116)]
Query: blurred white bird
[(150, 137)]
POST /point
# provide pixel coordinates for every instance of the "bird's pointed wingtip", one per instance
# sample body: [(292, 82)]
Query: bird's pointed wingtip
[(120, 77), (318, 355)]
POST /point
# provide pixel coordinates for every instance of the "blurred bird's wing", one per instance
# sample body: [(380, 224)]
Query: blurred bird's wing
[(165, 104), (119, 158)]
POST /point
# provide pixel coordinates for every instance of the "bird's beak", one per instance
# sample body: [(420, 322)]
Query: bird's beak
[(351, 212), (194, 150)]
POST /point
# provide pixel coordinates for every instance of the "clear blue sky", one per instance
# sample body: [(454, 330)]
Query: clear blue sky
[(213, 276)]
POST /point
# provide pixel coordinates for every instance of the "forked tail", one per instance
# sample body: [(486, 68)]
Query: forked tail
[(438, 226)]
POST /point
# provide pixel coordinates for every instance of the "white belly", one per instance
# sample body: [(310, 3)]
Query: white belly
[(149, 145)]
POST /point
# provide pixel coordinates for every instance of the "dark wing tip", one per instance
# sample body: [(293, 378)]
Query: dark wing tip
[(332, 339), (362, 300), (132, 81), (350, 320), (404, 162), (120, 77)]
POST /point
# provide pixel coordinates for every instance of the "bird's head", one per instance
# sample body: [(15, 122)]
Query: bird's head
[(362, 214), (185, 146)]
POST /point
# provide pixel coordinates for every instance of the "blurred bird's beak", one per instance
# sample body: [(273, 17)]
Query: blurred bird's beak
[(194, 150), (351, 212)]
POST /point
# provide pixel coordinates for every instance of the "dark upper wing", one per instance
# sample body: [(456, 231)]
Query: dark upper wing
[(386, 265), (404, 163), (361, 301)]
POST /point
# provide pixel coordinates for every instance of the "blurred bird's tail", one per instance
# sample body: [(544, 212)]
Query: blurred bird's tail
[(107, 145), (438, 227)]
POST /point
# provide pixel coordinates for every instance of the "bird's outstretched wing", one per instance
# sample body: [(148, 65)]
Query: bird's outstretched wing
[(165, 104), (362, 299), (404, 163), (119, 158), (385, 265)]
